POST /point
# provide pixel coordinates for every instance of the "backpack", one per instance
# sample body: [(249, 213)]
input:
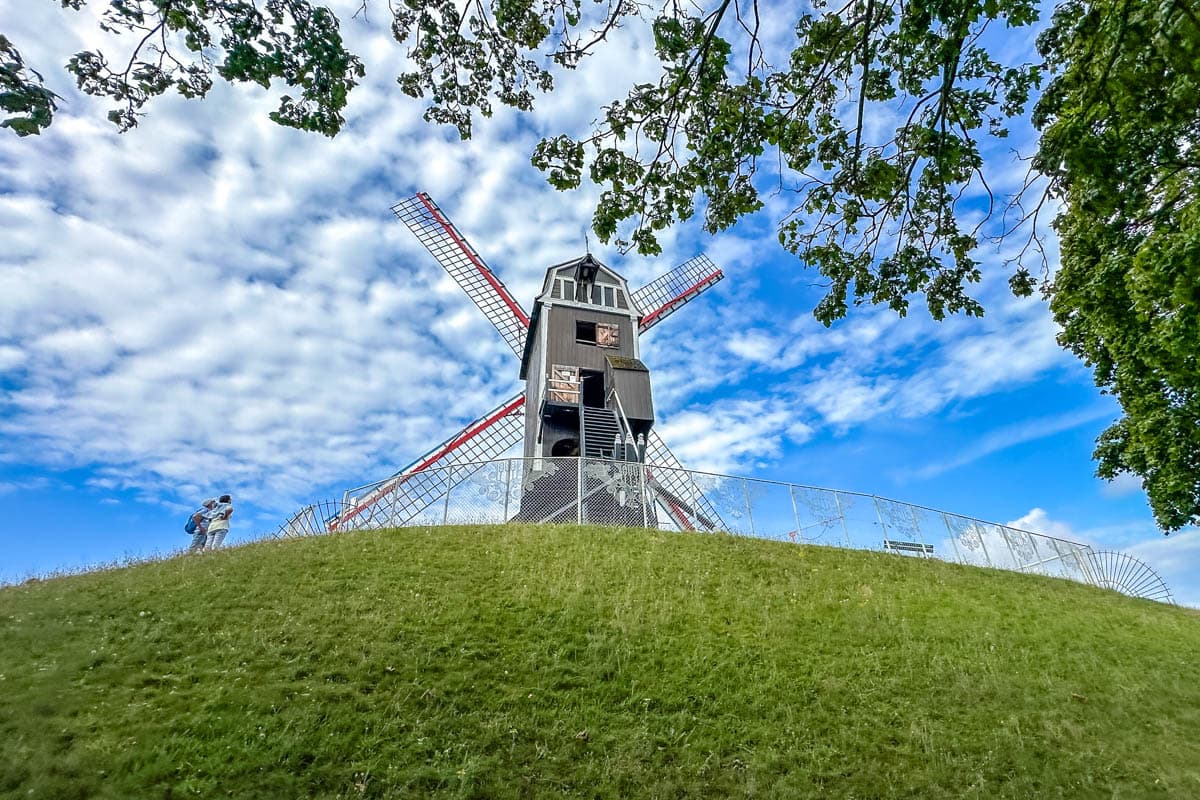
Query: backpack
[(190, 528)]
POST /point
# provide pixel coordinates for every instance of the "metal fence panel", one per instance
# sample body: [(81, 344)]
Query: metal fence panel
[(597, 490), (900, 528), (771, 512), (1022, 547), (1050, 559), (678, 499), (610, 492), (862, 527), (1074, 558), (820, 516), (550, 488), (308, 521), (478, 495), (729, 499), (967, 540), (998, 547)]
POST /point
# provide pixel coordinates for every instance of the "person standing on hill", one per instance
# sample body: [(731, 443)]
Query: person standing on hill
[(218, 524), (198, 525)]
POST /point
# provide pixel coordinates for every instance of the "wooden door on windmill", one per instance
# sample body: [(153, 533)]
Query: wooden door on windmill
[(607, 335), (564, 384)]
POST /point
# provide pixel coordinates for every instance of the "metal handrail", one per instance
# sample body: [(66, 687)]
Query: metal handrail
[(621, 413)]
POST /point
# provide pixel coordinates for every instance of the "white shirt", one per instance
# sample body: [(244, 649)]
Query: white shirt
[(219, 517)]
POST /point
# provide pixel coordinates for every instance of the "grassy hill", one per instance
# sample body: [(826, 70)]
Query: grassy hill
[(581, 662)]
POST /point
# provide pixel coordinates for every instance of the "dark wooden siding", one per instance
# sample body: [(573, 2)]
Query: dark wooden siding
[(561, 347), (633, 387)]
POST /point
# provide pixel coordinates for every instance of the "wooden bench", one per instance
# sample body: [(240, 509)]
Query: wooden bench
[(908, 547)]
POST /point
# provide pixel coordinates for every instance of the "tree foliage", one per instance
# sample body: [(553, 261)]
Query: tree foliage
[(179, 44), (23, 94), (877, 213), (1121, 146), (874, 115)]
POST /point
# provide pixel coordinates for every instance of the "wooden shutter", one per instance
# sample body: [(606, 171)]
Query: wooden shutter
[(608, 335), (564, 384)]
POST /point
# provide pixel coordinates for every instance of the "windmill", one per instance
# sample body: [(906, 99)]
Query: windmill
[(580, 387)]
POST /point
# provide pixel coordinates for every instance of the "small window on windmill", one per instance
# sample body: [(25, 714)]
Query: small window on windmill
[(585, 332), (563, 385), (608, 297), (608, 335), (595, 294)]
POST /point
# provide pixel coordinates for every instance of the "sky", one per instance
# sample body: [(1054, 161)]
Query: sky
[(213, 303)]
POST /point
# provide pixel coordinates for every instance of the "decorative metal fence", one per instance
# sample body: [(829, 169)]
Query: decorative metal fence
[(608, 492)]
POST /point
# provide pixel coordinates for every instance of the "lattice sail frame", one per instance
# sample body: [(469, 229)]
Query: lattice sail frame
[(678, 492), (401, 497), (669, 292), (450, 248), (394, 501)]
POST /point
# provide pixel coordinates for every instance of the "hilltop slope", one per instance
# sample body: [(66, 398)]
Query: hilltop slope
[(527, 662)]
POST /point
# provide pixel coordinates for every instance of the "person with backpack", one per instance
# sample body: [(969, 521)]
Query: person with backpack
[(197, 525), (218, 524)]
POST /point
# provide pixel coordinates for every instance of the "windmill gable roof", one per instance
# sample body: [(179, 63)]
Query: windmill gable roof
[(603, 274), (614, 296)]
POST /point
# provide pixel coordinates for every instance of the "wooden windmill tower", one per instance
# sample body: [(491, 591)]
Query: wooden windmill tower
[(587, 391), (581, 367)]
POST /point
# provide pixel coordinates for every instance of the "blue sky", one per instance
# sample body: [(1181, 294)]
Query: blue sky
[(213, 303)]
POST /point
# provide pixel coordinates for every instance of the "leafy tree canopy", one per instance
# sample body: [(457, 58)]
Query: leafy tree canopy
[(1121, 147), (886, 212), (179, 44)]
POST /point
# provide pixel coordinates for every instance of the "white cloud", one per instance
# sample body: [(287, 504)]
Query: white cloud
[(754, 346), (1038, 521), (871, 365), (1177, 554), (218, 300), (10, 358), (12, 487), (843, 397), (1011, 436), (732, 434), (1123, 485)]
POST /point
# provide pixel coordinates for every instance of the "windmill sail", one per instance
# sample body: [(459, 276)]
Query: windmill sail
[(682, 513), (669, 292), (437, 233), (684, 499), (396, 500)]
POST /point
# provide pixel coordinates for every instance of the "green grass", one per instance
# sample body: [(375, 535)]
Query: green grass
[(544, 662)]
